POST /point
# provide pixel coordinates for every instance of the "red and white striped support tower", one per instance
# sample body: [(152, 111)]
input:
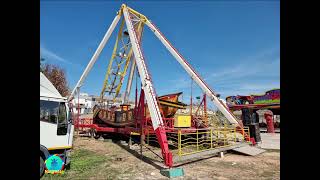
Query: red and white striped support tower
[(157, 122)]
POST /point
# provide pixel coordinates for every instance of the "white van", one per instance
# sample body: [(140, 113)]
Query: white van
[(56, 128)]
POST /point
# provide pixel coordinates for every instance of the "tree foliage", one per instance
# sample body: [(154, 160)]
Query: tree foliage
[(57, 77)]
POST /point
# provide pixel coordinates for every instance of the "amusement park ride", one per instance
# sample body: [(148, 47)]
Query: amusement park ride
[(251, 104), (270, 100), (151, 114)]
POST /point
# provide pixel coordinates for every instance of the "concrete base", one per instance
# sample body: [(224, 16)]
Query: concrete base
[(270, 141), (249, 150), (208, 152), (221, 155), (172, 172)]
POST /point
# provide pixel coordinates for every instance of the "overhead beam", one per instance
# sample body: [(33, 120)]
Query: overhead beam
[(143, 71), (147, 86), (232, 119), (96, 54)]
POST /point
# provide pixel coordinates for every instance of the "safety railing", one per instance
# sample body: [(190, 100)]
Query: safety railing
[(185, 142), (203, 140), (82, 123)]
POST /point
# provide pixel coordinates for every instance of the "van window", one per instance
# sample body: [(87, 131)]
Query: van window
[(62, 128), (62, 114), (49, 111)]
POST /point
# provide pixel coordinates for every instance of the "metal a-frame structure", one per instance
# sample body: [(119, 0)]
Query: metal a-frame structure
[(134, 22)]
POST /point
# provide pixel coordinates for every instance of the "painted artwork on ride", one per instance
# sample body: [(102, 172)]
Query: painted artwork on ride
[(232, 100), (239, 100), (270, 97)]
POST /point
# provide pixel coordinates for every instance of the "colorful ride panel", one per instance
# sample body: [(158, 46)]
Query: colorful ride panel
[(269, 98)]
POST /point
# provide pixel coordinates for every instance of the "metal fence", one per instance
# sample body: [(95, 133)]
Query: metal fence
[(182, 142)]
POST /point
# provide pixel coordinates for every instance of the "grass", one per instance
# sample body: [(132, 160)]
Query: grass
[(91, 163), (83, 162)]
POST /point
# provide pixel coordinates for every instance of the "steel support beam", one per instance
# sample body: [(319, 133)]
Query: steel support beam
[(96, 54), (194, 75), (157, 122)]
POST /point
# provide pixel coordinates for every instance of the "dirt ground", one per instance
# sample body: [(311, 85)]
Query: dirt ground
[(98, 159)]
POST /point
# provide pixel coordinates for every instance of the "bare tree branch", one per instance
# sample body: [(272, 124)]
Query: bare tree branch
[(58, 78)]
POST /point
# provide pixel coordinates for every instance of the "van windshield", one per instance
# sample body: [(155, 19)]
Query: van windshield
[(49, 111), (53, 112)]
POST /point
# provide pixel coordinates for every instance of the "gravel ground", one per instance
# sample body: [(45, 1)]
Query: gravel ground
[(99, 159)]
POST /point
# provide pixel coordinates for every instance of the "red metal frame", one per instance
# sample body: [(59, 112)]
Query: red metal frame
[(204, 116), (254, 106), (143, 126)]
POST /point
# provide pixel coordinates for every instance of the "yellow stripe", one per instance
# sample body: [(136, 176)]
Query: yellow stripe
[(134, 133), (137, 13), (171, 104), (60, 147)]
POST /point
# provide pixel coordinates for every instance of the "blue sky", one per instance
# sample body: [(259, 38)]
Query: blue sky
[(235, 45)]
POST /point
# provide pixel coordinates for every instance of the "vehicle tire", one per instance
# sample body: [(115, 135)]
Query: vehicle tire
[(96, 135), (68, 166), (106, 136), (42, 165), (90, 133)]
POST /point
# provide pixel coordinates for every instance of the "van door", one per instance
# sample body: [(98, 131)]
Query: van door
[(53, 124), (65, 123), (70, 126), (62, 128)]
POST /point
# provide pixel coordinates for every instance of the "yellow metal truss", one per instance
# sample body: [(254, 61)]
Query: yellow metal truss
[(111, 78)]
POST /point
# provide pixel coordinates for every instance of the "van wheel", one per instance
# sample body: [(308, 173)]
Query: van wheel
[(96, 135), (90, 133), (67, 167), (41, 167)]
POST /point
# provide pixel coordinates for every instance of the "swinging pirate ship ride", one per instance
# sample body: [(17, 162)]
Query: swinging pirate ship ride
[(151, 114)]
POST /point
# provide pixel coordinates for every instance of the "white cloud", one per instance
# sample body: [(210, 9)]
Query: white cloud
[(47, 54), (246, 69), (52, 56), (253, 74), (260, 87), (252, 65)]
